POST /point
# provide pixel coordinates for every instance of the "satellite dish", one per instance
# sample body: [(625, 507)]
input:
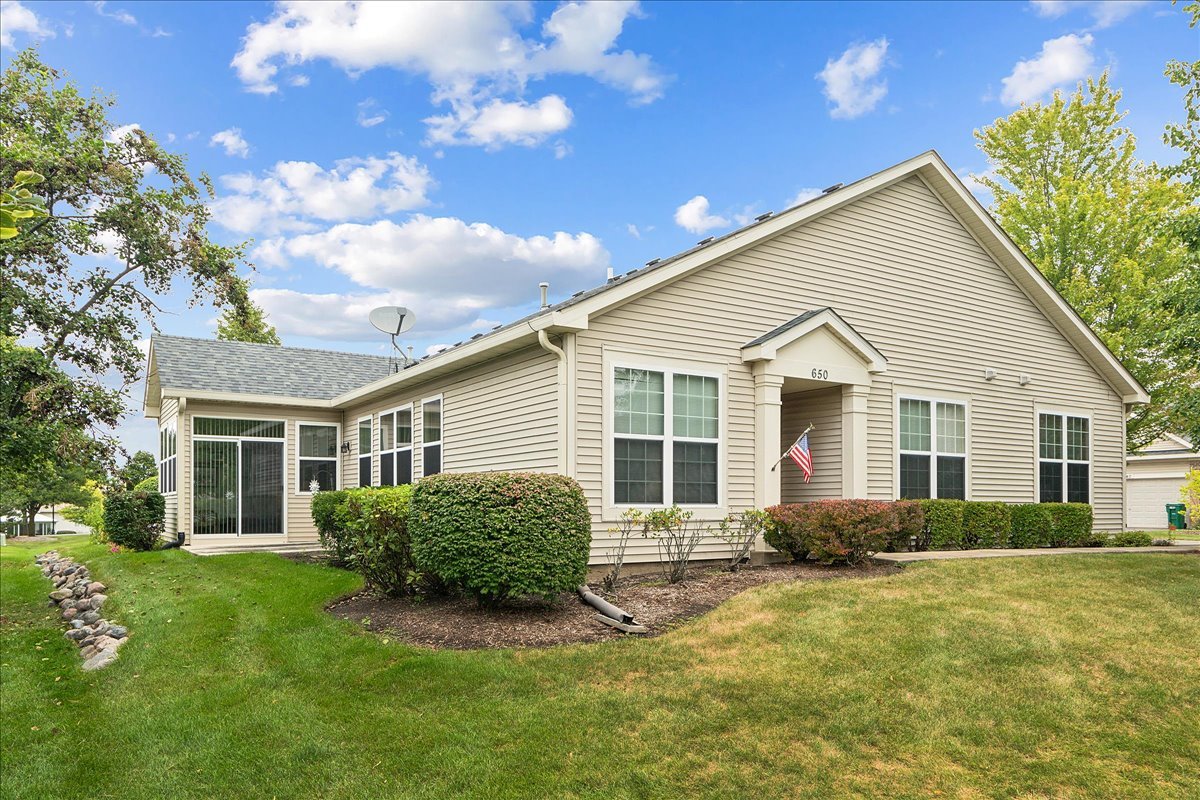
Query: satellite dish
[(392, 320)]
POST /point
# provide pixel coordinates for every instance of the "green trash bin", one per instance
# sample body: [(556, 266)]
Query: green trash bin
[(1176, 516)]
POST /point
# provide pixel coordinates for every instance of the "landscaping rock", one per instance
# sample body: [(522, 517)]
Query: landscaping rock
[(101, 659), (118, 631), (98, 600), (80, 599), (91, 616), (96, 587), (69, 614), (60, 594), (76, 623), (88, 651)]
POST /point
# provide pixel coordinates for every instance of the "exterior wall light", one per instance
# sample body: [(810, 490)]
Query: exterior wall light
[(345, 448)]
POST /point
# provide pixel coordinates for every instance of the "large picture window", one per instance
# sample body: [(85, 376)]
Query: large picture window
[(364, 451), (238, 476), (395, 447), (666, 438), (167, 461), (431, 443), (1064, 458), (933, 449), (317, 453)]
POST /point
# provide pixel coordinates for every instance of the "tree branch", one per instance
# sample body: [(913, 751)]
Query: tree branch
[(99, 295)]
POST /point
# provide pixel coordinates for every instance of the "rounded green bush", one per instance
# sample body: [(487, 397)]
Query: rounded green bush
[(1072, 524), (333, 530), (986, 524), (1032, 525), (944, 523), (379, 546), (134, 518), (498, 535)]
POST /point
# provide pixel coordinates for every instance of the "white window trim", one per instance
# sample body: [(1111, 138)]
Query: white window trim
[(1062, 413), (336, 458), (169, 462), (933, 453), (396, 449), (614, 360), (203, 437), (440, 400), (359, 454)]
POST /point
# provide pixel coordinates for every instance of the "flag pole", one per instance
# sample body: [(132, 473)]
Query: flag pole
[(785, 452)]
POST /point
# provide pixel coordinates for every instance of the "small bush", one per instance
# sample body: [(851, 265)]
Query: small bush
[(739, 532), (631, 520), (1032, 525), (677, 539), (1130, 539), (134, 518), (910, 527), (333, 525), (985, 524), (147, 485), (835, 531), (943, 523), (785, 532), (378, 539), (1072, 524), (497, 535)]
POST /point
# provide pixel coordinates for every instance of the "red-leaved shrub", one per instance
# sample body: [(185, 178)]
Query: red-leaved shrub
[(832, 531)]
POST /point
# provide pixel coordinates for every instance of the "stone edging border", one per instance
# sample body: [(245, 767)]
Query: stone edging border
[(80, 599)]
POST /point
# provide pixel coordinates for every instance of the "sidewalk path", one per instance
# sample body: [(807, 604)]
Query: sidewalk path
[(950, 555)]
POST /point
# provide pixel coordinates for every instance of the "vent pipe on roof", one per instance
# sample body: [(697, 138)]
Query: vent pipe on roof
[(545, 287), (610, 273)]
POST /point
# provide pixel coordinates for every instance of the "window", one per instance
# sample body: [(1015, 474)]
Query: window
[(1064, 458), (431, 442), (933, 449), (666, 443), (238, 476), (395, 447), (364, 451), (317, 448), (167, 474)]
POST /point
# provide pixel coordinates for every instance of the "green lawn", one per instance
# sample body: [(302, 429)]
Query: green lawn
[(1073, 676)]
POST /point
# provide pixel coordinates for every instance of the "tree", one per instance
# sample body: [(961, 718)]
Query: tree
[(124, 220), (91, 512), (243, 320), (1108, 232), (19, 203), (1186, 135), (33, 486), (140, 466)]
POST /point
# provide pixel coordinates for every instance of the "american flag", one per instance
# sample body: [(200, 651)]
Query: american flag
[(800, 453)]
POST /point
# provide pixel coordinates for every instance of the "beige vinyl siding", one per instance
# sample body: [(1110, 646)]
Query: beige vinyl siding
[(297, 506), (502, 415), (822, 409), (168, 413), (900, 268)]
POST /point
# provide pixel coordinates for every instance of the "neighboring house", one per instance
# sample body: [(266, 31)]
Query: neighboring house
[(1154, 477), (46, 522), (893, 314)]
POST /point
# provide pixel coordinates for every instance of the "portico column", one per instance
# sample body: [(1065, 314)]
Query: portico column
[(854, 439), (767, 433)]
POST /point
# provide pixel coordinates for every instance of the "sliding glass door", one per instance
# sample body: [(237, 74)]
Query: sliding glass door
[(238, 479)]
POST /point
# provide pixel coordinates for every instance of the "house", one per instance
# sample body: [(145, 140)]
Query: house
[(48, 521), (1154, 477), (892, 314)]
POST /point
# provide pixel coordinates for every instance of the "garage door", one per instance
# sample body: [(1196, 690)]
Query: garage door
[(1147, 498)]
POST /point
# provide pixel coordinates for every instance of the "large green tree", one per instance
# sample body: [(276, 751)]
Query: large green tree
[(140, 466), (124, 222), (243, 320), (1108, 232)]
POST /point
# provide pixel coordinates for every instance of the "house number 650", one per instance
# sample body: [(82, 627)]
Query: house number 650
[(821, 374)]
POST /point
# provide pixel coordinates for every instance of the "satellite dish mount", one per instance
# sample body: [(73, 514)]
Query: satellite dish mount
[(394, 320)]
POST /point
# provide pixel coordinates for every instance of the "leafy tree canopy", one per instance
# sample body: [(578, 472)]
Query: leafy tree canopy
[(243, 320), (1108, 231), (140, 466)]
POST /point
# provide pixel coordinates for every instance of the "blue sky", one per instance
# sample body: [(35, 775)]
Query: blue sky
[(449, 157)]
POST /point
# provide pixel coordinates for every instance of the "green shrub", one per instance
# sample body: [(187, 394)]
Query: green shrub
[(134, 518), (910, 527), (943, 523), (147, 485), (837, 531), (784, 531), (1130, 539), (497, 535), (378, 539), (1032, 525), (1072, 524), (333, 528), (985, 524)]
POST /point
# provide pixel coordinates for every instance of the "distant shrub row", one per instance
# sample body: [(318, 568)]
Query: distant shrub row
[(491, 535), (846, 531)]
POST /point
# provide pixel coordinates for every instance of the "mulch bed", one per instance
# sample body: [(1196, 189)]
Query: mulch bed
[(458, 623)]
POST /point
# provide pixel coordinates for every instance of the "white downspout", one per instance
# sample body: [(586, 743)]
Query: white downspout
[(564, 399)]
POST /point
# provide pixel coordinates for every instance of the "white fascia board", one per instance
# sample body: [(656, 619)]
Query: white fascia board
[(1175, 456), (769, 349), (250, 399)]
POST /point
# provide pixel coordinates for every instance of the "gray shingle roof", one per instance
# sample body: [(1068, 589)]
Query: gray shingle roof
[(787, 326), (211, 365)]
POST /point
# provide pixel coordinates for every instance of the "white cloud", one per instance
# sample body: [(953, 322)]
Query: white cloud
[(446, 261), (852, 81), (499, 123), (291, 194), (803, 196), (231, 139), (633, 231), (121, 131), (16, 18), (972, 181), (119, 14), (370, 114), (562, 149), (298, 80), (693, 216), (474, 55), (1061, 61), (1104, 13), (434, 349), (343, 317)]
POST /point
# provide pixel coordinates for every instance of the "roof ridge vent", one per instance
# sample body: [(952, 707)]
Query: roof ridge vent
[(833, 188), (767, 215), (703, 242)]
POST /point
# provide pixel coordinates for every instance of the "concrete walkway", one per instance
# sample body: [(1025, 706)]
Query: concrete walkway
[(950, 555)]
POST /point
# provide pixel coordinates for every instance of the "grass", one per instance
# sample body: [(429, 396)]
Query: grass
[(1063, 677)]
